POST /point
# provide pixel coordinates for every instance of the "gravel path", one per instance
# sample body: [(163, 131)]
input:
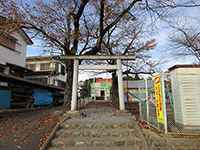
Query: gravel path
[(27, 131)]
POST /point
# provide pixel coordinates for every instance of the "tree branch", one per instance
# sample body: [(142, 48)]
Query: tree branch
[(76, 25)]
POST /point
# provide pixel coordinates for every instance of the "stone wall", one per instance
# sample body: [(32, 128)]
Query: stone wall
[(165, 142)]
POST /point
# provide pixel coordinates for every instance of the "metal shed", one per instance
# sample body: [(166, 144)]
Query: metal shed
[(5, 98), (186, 93)]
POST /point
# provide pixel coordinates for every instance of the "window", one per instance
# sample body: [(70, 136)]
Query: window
[(56, 67), (39, 80), (60, 83), (8, 41), (62, 70), (45, 66), (59, 68), (31, 66)]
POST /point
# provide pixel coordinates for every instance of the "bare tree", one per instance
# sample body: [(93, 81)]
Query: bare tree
[(87, 27), (127, 38), (9, 23), (186, 42), (74, 27)]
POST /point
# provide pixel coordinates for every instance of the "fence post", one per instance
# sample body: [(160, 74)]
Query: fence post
[(140, 110), (147, 100), (164, 101)]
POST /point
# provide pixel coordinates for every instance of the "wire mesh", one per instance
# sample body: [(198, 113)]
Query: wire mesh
[(172, 125)]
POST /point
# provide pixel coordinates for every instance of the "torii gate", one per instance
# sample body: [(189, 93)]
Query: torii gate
[(78, 67)]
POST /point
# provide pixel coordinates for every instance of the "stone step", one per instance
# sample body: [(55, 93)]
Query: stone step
[(128, 125), (101, 129), (96, 142), (97, 133), (99, 148)]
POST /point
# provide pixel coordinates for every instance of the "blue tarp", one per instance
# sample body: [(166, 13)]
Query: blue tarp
[(42, 97), (5, 98)]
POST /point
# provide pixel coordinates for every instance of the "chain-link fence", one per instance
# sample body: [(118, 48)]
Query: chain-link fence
[(148, 105), (157, 106)]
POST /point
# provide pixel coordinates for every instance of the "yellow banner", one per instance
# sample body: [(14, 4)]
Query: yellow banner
[(159, 99)]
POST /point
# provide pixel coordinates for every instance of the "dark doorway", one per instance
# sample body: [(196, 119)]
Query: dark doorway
[(102, 93)]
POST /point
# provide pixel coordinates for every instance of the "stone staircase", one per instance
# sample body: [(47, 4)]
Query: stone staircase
[(99, 129)]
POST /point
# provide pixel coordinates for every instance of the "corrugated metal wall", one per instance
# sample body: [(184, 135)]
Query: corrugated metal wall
[(5, 98), (186, 93), (42, 97)]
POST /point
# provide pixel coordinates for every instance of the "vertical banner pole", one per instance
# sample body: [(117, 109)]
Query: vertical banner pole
[(147, 99)]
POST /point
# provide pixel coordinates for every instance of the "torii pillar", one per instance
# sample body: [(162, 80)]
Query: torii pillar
[(75, 85), (117, 67), (120, 85)]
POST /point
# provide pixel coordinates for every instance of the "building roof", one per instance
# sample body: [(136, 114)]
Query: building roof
[(19, 80), (38, 58), (16, 67), (41, 73), (26, 37), (135, 84), (184, 66), (100, 80)]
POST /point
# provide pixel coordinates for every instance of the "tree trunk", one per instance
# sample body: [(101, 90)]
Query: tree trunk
[(69, 82), (114, 90)]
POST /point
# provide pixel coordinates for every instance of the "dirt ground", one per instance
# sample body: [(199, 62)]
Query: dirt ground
[(27, 131)]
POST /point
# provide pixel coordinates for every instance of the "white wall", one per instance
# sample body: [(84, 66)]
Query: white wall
[(178, 105), (186, 93), (52, 67), (14, 57), (37, 63)]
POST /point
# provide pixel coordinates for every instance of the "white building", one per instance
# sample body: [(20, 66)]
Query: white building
[(13, 48), (186, 94), (101, 88), (46, 70)]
